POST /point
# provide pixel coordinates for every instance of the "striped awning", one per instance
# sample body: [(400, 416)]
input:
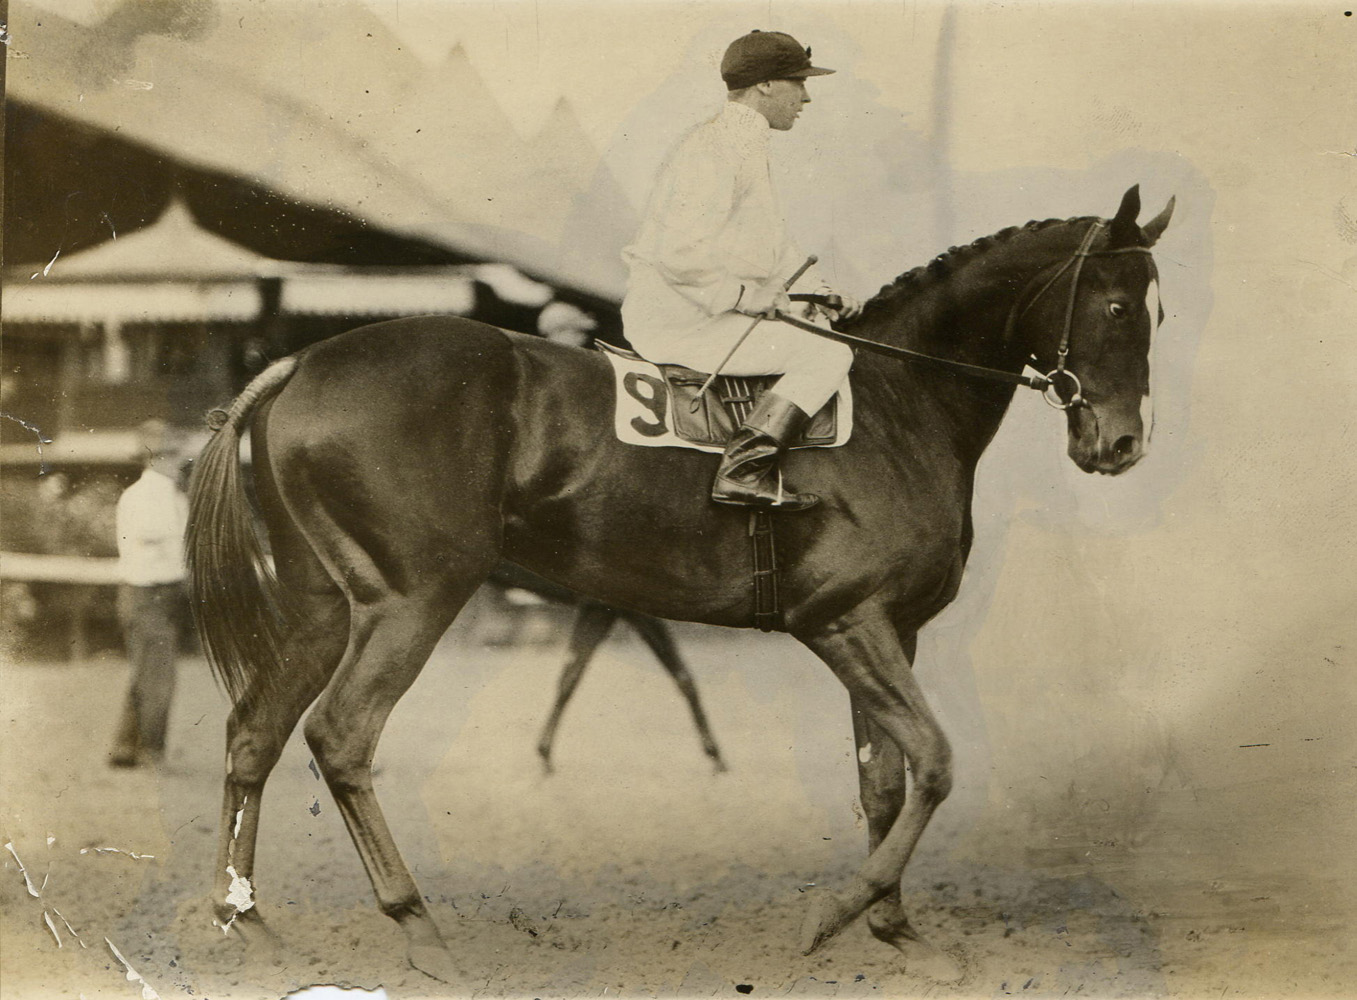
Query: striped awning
[(130, 301), (340, 292)]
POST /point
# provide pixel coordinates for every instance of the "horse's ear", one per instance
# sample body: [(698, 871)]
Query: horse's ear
[(1124, 231), (1156, 226)]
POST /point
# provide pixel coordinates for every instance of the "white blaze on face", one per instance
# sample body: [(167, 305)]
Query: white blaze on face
[(1147, 402)]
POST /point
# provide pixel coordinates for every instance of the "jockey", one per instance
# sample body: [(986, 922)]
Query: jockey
[(713, 250)]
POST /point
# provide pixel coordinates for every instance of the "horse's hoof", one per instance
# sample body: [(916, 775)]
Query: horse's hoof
[(435, 961), (718, 766), (827, 916), (922, 959), (263, 947), (249, 926)]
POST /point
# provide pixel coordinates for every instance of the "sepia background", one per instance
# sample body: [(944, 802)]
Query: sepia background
[(1147, 680)]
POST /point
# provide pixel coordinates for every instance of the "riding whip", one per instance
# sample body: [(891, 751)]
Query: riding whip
[(697, 399)]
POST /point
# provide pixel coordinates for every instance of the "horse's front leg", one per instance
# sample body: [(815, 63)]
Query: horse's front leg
[(882, 780), (882, 784), (897, 739)]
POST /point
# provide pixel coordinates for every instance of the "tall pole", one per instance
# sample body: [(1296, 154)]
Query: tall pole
[(941, 119), (4, 105)]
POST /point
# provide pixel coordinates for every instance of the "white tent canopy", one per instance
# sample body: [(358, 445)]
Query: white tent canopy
[(359, 152), (171, 271), (175, 271)]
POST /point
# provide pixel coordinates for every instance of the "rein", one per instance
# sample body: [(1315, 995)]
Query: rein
[(1038, 382), (1045, 384)]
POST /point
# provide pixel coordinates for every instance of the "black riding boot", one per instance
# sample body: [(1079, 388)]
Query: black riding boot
[(749, 473)]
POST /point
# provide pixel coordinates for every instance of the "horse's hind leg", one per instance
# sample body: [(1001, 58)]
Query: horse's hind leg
[(593, 621), (390, 640), (661, 642), (262, 720)]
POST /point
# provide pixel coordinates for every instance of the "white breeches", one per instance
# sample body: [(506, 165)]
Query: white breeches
[(813, 368)]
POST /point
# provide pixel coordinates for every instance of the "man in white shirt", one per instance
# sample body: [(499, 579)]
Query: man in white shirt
[(713, 251), (151, 516)]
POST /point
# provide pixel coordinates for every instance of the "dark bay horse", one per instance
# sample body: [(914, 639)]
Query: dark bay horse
[(397, 464), (593, 621)]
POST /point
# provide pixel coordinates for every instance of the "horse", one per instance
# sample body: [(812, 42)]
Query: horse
[(593, 621), (397, 464)]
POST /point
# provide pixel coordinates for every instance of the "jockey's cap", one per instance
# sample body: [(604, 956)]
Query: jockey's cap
[(766, 55)]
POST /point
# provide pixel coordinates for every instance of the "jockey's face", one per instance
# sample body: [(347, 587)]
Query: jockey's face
[(782, 100)]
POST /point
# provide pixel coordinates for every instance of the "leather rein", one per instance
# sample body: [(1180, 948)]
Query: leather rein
[(1045, 384)]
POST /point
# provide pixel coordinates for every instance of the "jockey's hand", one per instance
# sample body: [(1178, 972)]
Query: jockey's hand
[(840, 306), (764, 300), (851, 308)]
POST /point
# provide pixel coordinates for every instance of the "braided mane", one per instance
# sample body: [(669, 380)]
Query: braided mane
[(928, 275)]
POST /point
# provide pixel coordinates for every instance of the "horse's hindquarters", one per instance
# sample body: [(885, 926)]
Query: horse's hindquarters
[(389, 450)]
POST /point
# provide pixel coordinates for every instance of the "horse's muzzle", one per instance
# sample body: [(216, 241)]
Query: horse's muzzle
[(1107, 446)]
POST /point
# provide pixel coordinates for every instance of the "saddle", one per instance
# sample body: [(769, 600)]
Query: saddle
[(655, 408), (660, 404)]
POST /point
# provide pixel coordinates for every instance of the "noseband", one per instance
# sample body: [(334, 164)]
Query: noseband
[(1051, 392)]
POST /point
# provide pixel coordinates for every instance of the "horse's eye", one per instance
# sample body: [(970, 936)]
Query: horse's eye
[(1116, 309)]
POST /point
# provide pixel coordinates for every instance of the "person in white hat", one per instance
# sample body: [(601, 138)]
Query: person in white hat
[(151, 516), (713, 250)]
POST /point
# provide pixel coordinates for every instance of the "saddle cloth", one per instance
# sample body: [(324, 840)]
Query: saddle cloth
[(654, 406)]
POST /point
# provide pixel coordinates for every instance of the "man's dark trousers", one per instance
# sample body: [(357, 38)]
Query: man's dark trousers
[(150, 628)]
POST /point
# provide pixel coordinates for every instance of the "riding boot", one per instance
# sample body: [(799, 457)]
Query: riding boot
[(749, 475)]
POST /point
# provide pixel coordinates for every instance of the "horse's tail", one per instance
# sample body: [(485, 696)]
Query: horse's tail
[(234, 592)]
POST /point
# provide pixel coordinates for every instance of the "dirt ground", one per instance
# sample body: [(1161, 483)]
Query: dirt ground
[(632, 871)]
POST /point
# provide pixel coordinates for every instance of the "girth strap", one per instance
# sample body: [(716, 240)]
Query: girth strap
[(767, 600)]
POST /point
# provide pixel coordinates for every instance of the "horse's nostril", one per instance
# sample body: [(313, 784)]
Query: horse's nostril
[(1125, 446)]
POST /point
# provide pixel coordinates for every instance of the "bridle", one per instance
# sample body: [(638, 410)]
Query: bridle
[(1045, 384), (1051, 391)]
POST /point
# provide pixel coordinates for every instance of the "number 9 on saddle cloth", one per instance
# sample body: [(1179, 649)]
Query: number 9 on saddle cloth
[(655, 406)]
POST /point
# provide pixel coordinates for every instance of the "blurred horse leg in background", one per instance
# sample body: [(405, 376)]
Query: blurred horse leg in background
[(660, 639), (593, 623)]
